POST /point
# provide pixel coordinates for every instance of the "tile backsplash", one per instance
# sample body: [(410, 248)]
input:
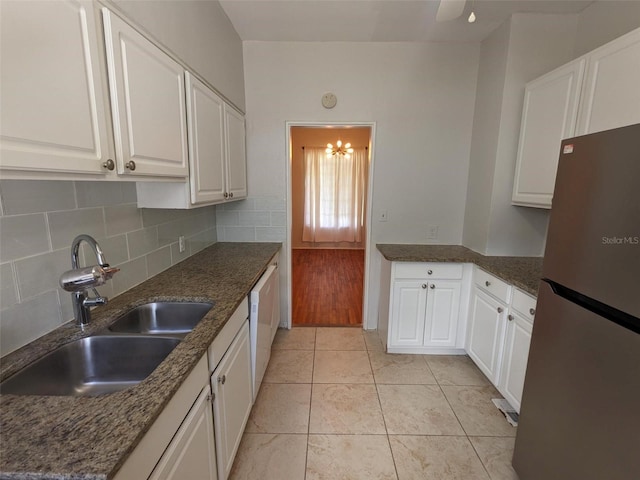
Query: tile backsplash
[(39, 220), (255, 219)]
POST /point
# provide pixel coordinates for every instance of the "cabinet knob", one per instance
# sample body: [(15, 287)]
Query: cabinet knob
[(432, 286), (500, 309), (424, 285), (487, 283), (226, 195), (532, 311), (130, 165), (222, 379), (230, 194), (429, 272), (109, 164), (510, 317)]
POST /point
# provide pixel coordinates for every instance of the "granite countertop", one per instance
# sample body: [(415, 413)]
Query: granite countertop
[(523, 272), (91, 437)]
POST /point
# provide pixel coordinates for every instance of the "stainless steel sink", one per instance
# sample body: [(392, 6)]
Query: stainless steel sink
[(92, 366), (161, 318)]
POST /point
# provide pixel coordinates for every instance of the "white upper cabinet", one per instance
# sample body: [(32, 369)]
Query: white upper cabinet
[(205, 120), (596, 92), (236, 154), (611, 93), (148, 103), (549, 115), (53, 95), (217, 160)]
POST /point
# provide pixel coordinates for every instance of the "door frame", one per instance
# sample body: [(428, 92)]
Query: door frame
[(367, 248)]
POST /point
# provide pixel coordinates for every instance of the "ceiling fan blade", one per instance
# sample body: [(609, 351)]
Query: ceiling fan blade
[(449, 10)]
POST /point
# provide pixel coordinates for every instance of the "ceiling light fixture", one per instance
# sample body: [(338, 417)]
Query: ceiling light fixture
[(339, 149), (472, 17)]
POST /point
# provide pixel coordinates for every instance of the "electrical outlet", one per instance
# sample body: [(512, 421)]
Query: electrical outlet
[(432, 232), (383, 216), (181, 245)]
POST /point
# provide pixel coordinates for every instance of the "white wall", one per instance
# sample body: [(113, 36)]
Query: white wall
[(200, 34), (421, 97), (523, 48), (537, 44), (484, 141), (604, 21)]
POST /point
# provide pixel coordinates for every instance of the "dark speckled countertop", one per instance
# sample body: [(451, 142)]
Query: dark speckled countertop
[(523, 272), (89, 438)]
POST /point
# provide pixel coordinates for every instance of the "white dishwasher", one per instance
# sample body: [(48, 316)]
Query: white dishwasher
[(263, 322)]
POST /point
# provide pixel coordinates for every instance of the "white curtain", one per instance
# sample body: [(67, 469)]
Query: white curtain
[(335, 193)]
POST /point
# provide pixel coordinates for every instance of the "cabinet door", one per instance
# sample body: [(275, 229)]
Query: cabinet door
[(236, 154), (443, 306), (486, 333), (611, 97), (54, 102), (205, 123), (549, 115), (408, 312), (231, 382), (191, 453), (516, 354), (147, 101)]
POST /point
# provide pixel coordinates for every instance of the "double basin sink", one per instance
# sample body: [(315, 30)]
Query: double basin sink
[(122, 355)]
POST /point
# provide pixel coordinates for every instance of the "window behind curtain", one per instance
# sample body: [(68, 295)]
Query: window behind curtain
[(335, 193)]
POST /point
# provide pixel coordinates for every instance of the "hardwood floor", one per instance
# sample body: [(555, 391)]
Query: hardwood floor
[(327, 287)]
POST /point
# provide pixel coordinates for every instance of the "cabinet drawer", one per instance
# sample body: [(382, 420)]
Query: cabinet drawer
[(444, 271), (524, 304), (492, 284), (221, 343)]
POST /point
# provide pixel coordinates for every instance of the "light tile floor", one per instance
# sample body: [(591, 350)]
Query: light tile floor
[(334, 406)]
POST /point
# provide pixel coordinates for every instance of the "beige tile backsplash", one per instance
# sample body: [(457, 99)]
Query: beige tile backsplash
[(38, 221)]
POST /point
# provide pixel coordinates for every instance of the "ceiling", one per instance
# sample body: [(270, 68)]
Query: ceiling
[(376, 20)]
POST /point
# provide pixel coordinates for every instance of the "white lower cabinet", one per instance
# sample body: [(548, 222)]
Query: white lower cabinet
[(486, 333), (191, 453), (179, 444), (191, 439), (516, 347), (516, 354), (425, 308), (233, 399)]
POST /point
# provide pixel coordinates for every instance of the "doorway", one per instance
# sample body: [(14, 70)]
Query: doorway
[(329, 223)]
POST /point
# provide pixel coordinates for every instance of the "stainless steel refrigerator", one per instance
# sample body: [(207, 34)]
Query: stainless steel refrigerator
[(580, 412)]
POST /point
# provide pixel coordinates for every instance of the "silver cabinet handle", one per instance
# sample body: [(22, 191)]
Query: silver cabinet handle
[(429, 272), (532, 311), (500, 309), (432, 286), (510, 317), (222, 379), (109, 164), (424, 285), (131, 165), (487, 283)]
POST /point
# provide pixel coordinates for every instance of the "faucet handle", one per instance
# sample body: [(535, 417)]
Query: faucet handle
[(109, 272), (83, 278)]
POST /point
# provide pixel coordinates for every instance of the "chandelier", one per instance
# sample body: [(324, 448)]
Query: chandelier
[(339, 149)]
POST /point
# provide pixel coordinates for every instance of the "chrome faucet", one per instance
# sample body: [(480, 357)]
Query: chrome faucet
[(79, 280)]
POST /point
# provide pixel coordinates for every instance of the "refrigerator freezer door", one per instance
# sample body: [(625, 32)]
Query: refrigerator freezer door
[(579, 418), (593, 244)]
